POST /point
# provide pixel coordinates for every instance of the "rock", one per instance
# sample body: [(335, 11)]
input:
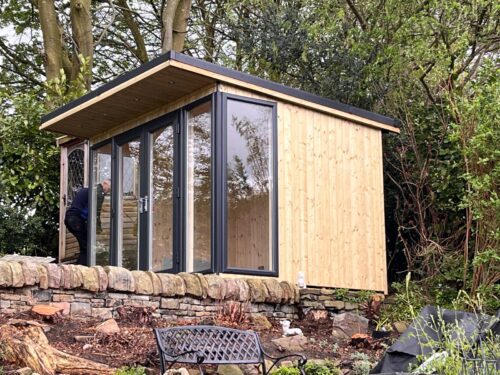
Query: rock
[(46, 310), (24, 371), (120, 279), (351, 306), (177, 371), (317, 315), (17, 274), (229, 370), (286, 364), (258, 290), (170, 303), (250, 369), (53, 274), (90, 278), (155, 280), (30, 273), (203, 284), (274, 291), (108, 327), (87, 347), (291, 343), (65, 276), (244, 290), (400, 327), (102, 278), (171, 285), (217, 288), (5, 274), (260, 322), (288, 293), (232, 290), (83, 338), (192, 283), (76, 277), (347, 324), (102, 313), (143, 283), (80, 309), (43, 276), (337, 305)]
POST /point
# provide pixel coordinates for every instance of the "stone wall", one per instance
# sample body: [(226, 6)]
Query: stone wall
[(100, 291)]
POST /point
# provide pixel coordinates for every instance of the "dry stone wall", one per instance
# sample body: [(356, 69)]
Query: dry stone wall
[(99, 291)]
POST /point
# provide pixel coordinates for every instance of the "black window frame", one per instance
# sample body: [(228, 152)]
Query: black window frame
[(222, 205)]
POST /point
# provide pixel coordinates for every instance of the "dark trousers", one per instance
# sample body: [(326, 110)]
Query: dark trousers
[(78, 228)]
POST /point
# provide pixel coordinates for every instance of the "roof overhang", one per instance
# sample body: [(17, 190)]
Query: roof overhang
[(169, 78)]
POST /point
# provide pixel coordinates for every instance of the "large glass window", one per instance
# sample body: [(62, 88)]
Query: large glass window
[(249, 185), (101, 198), (198, 188), (161, 187)]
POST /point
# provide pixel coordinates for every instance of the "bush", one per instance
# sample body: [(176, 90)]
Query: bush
[(311, 368), (131, 371)]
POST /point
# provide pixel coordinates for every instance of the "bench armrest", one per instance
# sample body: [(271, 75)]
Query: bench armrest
[(302, 360)]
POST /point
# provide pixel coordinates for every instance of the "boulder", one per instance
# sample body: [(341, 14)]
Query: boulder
[(76, 277), (30, 273), (177, 371), (192, 283), (17, 274), (260, 322), (143, 283), (291, 343), (229, 370), (203, 284), (102, 278), (288, 293), (232, 290), (43, 276), (90, 278), (258, 290), (120, 279), (53, 274), (108, 327), (400, 327), (156, 282), (347, 324), (171, 285), (5, 274), (274, 290), (217, 287), (65, 276), (244, 290)]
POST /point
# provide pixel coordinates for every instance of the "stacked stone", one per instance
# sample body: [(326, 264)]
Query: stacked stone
[(325, 299), (98, 291)]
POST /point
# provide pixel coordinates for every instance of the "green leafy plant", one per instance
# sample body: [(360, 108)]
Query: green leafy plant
[(361, 364), (131, 371), (325, 368)]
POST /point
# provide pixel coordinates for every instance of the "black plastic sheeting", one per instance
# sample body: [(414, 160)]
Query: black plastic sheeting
[(426, 329)]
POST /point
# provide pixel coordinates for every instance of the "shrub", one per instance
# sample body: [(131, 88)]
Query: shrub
[(131, 371)]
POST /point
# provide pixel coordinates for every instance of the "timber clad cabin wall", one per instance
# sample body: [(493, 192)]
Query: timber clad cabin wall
[(330, 199)]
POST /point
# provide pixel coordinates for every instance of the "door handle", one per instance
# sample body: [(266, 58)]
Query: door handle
[(143, 204)]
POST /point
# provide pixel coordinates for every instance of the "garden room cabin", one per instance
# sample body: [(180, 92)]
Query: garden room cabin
[(217, 171)]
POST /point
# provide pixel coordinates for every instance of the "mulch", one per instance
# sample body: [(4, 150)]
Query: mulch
[(135, 345)]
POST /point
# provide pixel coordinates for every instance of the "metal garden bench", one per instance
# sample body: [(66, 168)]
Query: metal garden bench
[(214, 345)]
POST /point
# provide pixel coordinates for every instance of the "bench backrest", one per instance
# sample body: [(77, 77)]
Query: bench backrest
[(217, 345)]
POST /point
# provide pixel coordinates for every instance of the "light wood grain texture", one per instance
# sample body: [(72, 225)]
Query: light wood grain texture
[(330, 205)]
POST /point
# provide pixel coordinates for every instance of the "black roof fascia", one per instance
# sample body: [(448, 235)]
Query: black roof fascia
[(244, 77)]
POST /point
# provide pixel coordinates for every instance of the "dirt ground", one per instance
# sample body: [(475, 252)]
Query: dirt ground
[(135, 345)]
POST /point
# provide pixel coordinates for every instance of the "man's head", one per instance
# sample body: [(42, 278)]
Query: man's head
[(106, 185)]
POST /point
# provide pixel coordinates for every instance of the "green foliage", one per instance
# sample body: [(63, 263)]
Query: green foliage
[(361, 364), (311, 368), (131, 371)]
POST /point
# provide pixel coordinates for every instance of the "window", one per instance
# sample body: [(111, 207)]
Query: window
[(250, 197)]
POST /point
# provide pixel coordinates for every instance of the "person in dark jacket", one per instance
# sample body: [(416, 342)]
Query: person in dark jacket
[(77, 215)]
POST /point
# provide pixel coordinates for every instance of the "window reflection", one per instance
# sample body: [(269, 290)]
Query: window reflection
[(101, 213), (249, 185), (198, 182)]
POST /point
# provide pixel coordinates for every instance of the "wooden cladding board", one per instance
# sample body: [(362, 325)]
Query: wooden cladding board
[(331, 203)]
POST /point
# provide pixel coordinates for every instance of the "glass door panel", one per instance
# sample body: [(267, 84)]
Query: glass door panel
[(101, 208), (129, 204), (161, 193), (198, 188)]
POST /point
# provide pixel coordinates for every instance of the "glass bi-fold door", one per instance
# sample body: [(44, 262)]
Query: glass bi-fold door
[(133, 221)]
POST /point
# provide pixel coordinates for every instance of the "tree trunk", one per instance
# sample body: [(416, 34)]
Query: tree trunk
[(29, 347), (81, 25), (52, 38), (174, 18), (140, 50)]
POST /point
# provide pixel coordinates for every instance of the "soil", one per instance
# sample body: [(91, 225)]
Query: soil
[(135, 344)]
